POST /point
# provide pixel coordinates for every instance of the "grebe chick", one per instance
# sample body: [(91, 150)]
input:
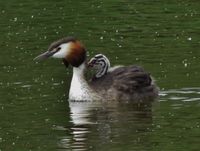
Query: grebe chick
[(101, 64), (134, 80), (122, 83)]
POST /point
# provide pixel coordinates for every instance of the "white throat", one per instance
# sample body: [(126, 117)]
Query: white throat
[(79, 89)]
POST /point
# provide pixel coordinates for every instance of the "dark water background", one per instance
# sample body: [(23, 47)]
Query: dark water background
[(163, 36)]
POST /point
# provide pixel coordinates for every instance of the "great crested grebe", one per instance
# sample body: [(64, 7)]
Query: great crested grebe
[(123, 83)]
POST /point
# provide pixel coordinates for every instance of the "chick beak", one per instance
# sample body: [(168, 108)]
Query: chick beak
[(90, 64), (45, 55)]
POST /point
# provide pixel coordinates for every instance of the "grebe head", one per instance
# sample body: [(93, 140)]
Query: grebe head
[(101, 63), (69, 49)]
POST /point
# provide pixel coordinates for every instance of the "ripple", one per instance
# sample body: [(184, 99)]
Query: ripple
[(26, 86), (17, 83), (177, 98), (178, 92), (79, 132), (60, 128), (182, 94), (56, 84), (192, 99)]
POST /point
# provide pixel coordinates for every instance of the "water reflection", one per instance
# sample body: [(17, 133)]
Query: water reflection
[(182, 94), (106, 125), (101, 124)]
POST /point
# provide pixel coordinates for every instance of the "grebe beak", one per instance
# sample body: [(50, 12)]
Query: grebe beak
[(45, 55)]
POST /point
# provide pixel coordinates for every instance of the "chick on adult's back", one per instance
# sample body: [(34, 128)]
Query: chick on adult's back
[(120, 82), (123, 83)]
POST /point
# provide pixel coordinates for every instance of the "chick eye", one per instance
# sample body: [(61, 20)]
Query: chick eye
[(93, 61), (58, 49)]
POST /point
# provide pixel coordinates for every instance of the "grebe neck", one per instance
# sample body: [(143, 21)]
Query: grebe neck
[(78, 72), (79, 89)]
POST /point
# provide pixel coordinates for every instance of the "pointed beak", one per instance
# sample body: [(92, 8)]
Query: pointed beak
[(45, 55), (90, 64)]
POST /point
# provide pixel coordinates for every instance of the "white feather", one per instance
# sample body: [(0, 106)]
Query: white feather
[(79, 89), (65, 48)]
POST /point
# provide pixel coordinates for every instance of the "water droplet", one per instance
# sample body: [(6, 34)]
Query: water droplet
[(185, 64), (47, 120), (15, 19)]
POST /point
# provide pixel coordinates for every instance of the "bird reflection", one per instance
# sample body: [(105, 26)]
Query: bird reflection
[(104, 123)]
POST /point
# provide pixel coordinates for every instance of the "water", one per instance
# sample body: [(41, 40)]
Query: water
[(162, 36)]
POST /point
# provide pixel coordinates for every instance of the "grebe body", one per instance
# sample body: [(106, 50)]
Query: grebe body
[(121, 83)]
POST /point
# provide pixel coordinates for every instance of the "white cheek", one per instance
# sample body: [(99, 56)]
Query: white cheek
[(63, 52)]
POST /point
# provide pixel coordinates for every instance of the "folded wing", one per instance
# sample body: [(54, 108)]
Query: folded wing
[(131, 79)]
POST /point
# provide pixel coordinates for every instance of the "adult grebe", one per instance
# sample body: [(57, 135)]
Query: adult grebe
[(123, 83)]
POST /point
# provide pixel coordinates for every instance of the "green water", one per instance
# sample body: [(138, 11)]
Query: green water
[(163, 36)]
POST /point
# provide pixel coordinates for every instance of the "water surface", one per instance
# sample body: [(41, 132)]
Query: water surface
[(162, 36)]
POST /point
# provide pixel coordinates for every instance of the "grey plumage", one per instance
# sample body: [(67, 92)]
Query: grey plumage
[(126, 83)]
